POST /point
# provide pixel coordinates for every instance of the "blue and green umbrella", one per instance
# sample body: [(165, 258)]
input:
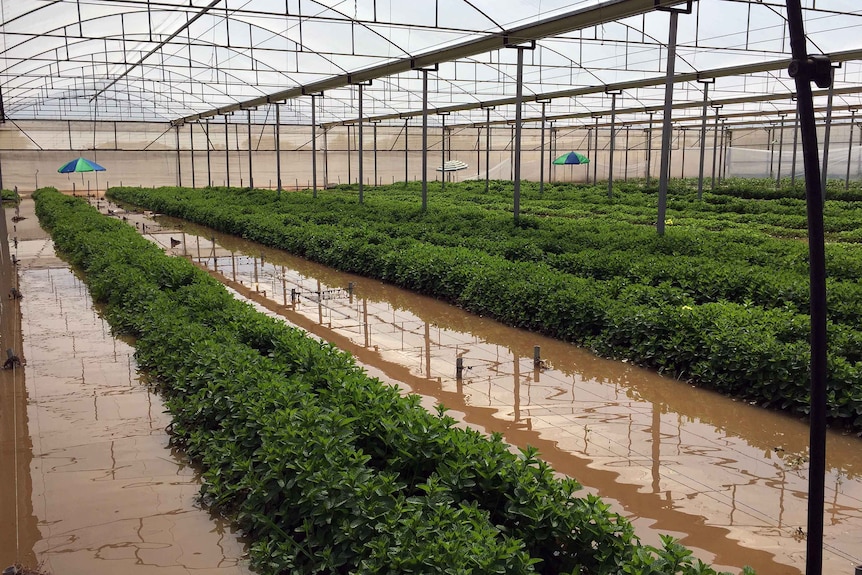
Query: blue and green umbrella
[(571, 158), (80, 165)]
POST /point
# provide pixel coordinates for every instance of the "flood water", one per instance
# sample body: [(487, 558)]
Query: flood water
[(94, 488), (728, 478)]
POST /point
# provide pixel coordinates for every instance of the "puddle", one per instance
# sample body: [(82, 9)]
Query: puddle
[(728, 478), (97, 489)]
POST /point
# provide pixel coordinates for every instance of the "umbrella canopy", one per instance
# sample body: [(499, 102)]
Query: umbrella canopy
[(80, 165), (572, 158), (452, 166)]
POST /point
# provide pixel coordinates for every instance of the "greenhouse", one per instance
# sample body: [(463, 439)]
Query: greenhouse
[(588, 228)]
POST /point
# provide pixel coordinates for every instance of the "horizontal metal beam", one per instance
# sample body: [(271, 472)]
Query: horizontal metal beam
[(730, 71), (609, 11)]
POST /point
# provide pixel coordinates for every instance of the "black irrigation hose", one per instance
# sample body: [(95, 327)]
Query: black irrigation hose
[(805, 69)]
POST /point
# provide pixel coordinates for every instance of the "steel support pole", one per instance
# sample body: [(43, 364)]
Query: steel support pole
[(850, 149), (374, 135), (612, 146), (349, 153), (702, 140), (192, 151), (179, 163), (804, 69), (250, 176), (824, 175), (542, 153), (596, 154), (226, 152), (278, 147), (313, 147), (359, 146), (664, 173), (682, 149), (649, 147), (325, 157), (780, 150), (590, 154), (725, 144), (795, 146), (770, 136), (424, 140), (487, 149), (552, 145), (716, 107), (626, 156), (209, 167), (443, 152), (406, 151), (519, 100)]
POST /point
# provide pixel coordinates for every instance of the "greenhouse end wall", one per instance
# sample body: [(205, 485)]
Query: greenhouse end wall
[(145, 154)]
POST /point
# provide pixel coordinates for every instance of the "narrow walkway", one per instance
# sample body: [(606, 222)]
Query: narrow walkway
[(99, 490), (728, 478)]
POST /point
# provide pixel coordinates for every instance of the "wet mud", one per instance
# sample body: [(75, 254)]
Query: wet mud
[(728, 478), (95, 487)]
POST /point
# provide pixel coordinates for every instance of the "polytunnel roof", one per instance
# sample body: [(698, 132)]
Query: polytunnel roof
[(188, 60)]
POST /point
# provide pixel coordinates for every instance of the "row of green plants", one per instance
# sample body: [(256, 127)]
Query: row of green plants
[(324, 468), (721, 310), (9, 196)]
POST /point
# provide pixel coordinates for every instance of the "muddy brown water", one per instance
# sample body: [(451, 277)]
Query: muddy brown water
[(727, 478), (87, 481)]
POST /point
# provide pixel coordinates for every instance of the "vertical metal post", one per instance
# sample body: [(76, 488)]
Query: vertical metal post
[(649, 147), (795, 141), (209, 167), (850, 149), (770, 136), (612, 144), (804, 69), (715, 107), (250, 176), (424, 140), (349, 153), (682, 148), (542, 152), (487, 149), (664, 173), (626, 161), (590, 154), (359, 147), (406, 151), (192, 150), (552, 145), (780, 148), (824, 175), (313, 146), (725, 143), (179, 163), (519, 100), (278, 147), (596, 150), (703, 137), (325, 157), (443, 150), (374, 134), (226, 152)]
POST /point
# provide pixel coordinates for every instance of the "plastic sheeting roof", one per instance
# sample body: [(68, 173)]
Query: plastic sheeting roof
[(165, 60)]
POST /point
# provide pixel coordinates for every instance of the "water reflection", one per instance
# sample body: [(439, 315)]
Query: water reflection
[(726, 477)]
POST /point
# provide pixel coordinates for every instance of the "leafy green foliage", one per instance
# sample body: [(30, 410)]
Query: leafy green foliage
[(717, 300), (326, 469)]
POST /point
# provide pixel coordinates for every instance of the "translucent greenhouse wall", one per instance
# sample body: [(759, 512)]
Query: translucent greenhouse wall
[(145, 154)]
